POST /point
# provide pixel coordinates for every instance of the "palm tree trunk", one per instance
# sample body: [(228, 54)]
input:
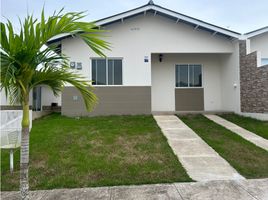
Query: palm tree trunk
[(24, 152)]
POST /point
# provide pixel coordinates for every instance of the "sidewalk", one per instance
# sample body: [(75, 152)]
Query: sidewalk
[(252, 137), (212, 190), (201, 162)]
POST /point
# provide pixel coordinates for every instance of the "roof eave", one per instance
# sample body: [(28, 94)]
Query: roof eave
[(174, 14), (112, 19), (256, 32)]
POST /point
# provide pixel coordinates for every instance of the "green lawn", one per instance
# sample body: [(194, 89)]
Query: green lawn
[(248, 159), (256, 126), (97, 151)]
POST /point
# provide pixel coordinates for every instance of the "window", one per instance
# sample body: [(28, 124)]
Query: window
[(107, 71), (115, 72), (188, 75), (99, 72), (264, 61)]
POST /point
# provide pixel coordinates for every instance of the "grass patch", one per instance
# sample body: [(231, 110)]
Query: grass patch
[(97, 151), (249, 160), (256, 126)]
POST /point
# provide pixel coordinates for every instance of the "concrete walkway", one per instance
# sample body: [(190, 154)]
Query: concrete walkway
[(255, 139), (213, 190), (201, 162)]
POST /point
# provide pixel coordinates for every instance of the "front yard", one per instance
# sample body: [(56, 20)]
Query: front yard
[(249, 160), (99, 151)]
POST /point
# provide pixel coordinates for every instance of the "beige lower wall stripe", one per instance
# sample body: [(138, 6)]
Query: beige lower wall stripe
[(119, 100), (189, 99)]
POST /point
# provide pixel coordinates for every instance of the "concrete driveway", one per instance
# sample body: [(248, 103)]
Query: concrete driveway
[(201, 162)]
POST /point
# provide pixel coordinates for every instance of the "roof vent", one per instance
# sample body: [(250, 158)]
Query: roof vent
[(151, 2)]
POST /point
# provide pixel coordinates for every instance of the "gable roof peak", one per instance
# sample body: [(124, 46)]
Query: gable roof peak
[(151, 2)]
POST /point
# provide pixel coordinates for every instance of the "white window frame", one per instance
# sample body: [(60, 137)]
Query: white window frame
[(106, 61), (188, 87)]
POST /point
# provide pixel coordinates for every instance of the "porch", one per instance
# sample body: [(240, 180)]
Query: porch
[(194, 82)]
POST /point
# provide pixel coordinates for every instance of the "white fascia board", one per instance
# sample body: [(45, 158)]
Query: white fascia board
[(59, 36), (123, 15), (197, 22), (255, 33), (170, 13)]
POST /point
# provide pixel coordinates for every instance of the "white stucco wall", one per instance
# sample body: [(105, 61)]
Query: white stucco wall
[(230, 80), (47, 97), (149, 35), (163, 80), (163, 83), (260, 43), (5, 100), (140, 36)]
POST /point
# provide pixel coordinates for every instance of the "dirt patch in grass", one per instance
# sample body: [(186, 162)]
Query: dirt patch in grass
[(97, 151), (248, 159)]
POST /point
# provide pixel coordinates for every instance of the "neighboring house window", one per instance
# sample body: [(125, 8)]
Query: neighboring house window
[(107, 71), (188, 75), (264, 61)]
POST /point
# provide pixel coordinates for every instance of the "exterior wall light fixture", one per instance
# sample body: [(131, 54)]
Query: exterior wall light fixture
[(160, 57)]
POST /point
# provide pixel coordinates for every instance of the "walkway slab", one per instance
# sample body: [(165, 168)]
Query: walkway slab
[(258, 188), (201, 162), (222, 190), (148, 192), (100, 193), (252, 137)]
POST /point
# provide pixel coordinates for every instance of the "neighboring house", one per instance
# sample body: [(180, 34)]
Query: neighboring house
[(162, 61), (254, 73), (42, 100)]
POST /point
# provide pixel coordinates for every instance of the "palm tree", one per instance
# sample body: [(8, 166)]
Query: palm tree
[(25, 64)]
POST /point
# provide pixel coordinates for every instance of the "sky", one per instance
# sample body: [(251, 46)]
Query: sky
[(237, 15)]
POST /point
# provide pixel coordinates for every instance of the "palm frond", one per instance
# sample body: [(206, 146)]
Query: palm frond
[(22, 54), (56, 78)]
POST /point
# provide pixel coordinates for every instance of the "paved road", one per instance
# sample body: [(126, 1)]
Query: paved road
[(211, 190)]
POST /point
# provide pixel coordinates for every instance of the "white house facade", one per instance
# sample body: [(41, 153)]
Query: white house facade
[(163, 62)]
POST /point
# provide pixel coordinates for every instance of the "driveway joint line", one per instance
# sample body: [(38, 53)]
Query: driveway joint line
[(178, 191), (237, 184)]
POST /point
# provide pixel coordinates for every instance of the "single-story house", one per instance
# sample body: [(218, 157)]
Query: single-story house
[(162, 61)]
